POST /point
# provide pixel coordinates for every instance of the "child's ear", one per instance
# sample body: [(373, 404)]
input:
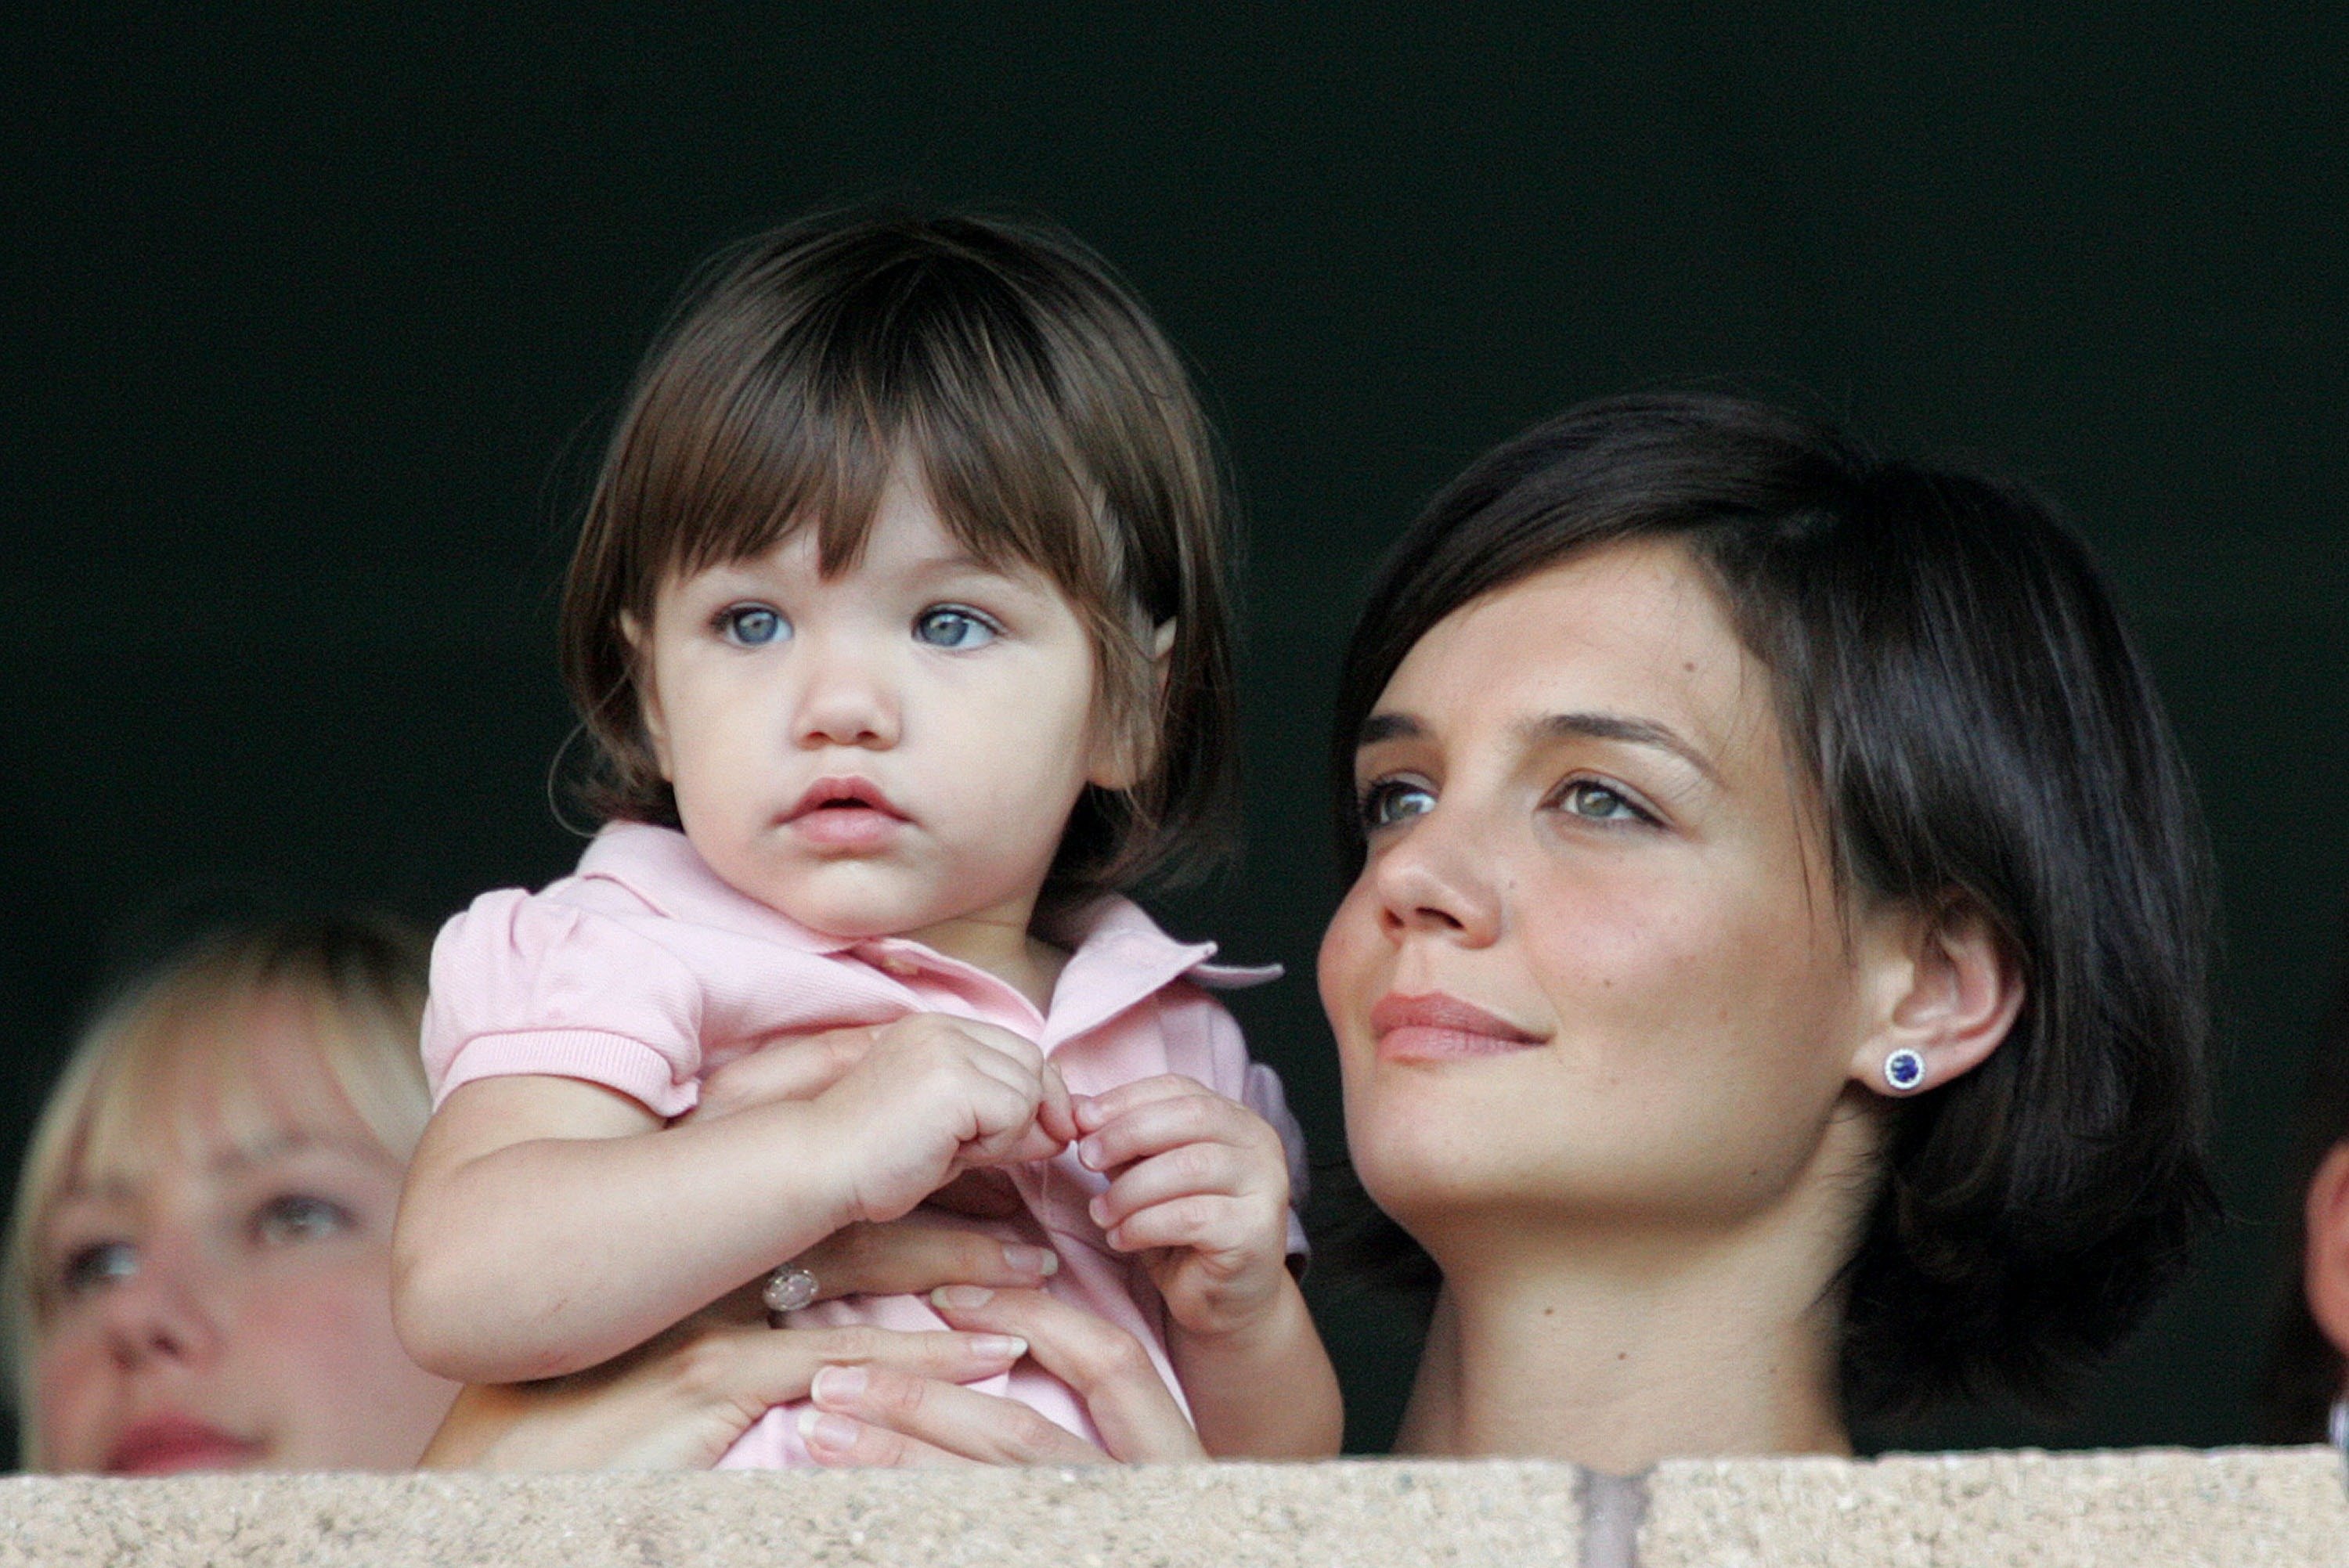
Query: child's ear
[(649, 708), (1942, 987), (1125, 757), (2326, 1276)]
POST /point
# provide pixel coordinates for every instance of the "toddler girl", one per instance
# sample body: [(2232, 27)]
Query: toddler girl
[(898, 624)]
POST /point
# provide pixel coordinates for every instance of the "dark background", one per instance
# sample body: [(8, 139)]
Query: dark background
[(312, 324)]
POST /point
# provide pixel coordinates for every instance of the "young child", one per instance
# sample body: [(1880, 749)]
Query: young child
[(898, 624)]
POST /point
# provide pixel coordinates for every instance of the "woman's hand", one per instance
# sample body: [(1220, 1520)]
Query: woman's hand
[(679, 1402), (885, 1415)]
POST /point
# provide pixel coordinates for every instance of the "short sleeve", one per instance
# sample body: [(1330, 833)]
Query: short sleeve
[(526, 984)]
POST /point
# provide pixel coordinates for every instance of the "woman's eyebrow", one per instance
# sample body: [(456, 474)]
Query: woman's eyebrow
[(1617, 726), (1388, 726)]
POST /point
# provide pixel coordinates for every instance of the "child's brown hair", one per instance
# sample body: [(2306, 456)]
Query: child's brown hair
[(1053, 427)]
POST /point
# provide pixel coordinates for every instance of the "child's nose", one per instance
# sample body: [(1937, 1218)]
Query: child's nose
[(162, 1312), (848, 702)]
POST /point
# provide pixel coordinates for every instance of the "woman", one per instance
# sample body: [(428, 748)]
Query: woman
[(197, 1268), (2305, 1396), (1772, 986)]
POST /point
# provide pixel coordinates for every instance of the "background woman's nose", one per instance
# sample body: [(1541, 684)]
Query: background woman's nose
[(162, 1311)]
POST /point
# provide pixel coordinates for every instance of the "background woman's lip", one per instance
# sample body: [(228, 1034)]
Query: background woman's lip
[(164, 1445)]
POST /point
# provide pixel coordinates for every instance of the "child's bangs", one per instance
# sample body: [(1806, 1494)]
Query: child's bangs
[(954, 392)]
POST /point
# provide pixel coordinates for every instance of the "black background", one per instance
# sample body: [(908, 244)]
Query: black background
[(314, 319)]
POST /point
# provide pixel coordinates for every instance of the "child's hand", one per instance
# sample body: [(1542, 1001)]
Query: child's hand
[(1202, 1186), (933, 1096)]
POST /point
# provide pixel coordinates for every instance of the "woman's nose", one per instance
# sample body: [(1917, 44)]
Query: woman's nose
[(161, 1313), (1435, 881), (848, 699)]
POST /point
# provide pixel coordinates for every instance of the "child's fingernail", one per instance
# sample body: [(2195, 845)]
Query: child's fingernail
[(965, 1296), (998, 1346), (838, 1383), (1098, 1210), (1089, 1153), (1029, 1260)]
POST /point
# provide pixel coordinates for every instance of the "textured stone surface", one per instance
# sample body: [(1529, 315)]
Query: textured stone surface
[(2243, 1508), (1412, 1516), (2247, 1507)]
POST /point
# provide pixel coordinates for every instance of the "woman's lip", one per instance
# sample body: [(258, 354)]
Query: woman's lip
[(1437, 1027), (165, 1445)]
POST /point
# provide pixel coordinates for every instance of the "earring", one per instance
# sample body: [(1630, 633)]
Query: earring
[(1904, 1069)]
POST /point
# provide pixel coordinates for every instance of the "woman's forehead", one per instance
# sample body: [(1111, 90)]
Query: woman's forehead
[(235, 1082), (1633, 631)]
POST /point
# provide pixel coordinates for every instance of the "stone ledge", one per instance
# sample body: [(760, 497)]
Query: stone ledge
[(2244, 1507)]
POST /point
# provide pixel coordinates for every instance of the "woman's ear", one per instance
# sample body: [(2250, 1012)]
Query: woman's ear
[(2325, 1274), (649, 708), (1125, 758), (1945, 988)]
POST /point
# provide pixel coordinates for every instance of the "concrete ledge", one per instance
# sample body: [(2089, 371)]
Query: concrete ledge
[(2141, 1510)]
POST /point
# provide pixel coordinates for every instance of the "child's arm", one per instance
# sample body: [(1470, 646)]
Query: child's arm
[(1202, 1189), (549, 1224)]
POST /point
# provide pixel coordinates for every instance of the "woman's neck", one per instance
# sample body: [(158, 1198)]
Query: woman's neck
[(1615, 1344)]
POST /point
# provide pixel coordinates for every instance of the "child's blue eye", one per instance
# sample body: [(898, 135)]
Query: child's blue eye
[(951, 626), (752, 625), (299, 1217), (1391, 800)]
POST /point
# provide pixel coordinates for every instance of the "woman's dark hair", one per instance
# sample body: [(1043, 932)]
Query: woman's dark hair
[(1053, 427), (1974, 722), (2305, 1371)]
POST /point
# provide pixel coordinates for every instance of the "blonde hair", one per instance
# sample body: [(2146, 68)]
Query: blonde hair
[(165, 1055)]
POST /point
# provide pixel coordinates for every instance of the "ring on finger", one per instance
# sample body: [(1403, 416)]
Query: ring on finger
[(788, 1289)]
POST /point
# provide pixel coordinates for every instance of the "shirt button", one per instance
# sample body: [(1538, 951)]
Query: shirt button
[(903, 968)]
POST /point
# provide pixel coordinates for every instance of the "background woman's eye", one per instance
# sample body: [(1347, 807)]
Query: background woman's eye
[(949, 627), (300, 1217), (753, 626), (1599, 803), (1393, 801), (96, 1265)]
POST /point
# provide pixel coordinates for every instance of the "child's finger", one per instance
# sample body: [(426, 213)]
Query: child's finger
[(1183, 1171), (1213, 1226), (1095, 1110), (1057, 1113), (1160, 1125)]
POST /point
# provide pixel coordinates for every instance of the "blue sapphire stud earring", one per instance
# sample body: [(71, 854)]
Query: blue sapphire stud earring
[(1904, 1069)]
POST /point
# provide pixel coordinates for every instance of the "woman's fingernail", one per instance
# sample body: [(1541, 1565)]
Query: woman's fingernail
[(1029, 1260), (951, 1297), (820, 1431), (838, 1383), (999, 1347)]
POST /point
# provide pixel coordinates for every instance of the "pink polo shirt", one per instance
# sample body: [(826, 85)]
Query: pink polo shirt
[(643, 972)]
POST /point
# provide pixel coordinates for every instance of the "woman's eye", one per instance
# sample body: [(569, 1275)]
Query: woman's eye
[(299, 1217), (96, 1265), (1598, 803), (752, 625), (1391, 800), (951, 626)]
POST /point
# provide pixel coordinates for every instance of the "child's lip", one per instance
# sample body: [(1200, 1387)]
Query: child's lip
[(846, 791)]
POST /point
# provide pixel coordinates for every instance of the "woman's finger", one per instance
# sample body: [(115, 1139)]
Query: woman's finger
[(1137, 1416), (908, 1256), (948, 1418), (846, 1443)]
